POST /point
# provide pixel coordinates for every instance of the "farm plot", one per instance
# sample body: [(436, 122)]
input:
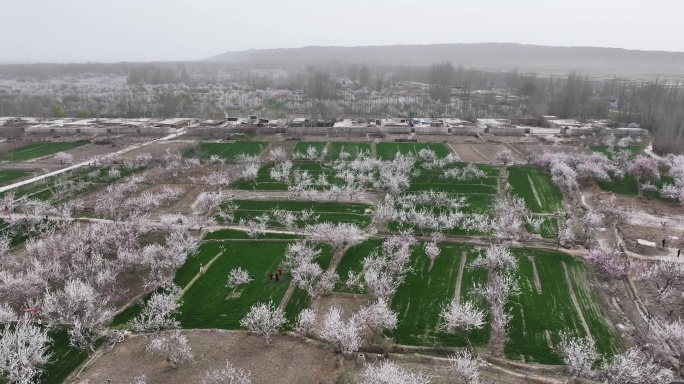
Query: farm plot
[(64, 360), (228, 151), (265, 183), (433, 180), (419, 300), (555, 297), (634, 150), (71, 184), (33, 151), (302, 148), (358, 214), (469, 153), (7, 176), (536, 188), (387, 151), (353, 149), (552, 300), (208, 303), (628, 185)]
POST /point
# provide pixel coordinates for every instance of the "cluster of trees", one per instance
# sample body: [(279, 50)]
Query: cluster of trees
[(209, 89)]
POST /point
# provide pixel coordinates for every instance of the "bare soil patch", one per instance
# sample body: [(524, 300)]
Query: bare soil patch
[(287, 359), (468, 153), (630, 234), (534, 149)]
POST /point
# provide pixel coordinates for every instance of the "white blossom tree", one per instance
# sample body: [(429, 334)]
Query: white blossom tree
[(633, 367), (504, 155), (23, 352), (139, 379), (173, 346), (466, 367), (7, 314), (502, 284), (344, 335), (388, 372), (238, 276), (64, 158), (80, 306), (462, 318), (157, 314), (306, 320), (264, 319), (667, 276), (277, 155), (228, 375), (375, 317), (579, 355), (668, 339)]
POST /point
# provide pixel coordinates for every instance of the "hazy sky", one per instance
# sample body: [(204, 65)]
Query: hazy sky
[(150, 30)]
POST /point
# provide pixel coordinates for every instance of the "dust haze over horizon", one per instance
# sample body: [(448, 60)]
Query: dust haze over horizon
[(175, 30)]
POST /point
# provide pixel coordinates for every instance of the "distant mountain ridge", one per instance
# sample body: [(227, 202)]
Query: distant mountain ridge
[(488, 56)]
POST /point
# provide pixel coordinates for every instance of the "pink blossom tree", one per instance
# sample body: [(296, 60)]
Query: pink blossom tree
[(645, 168), (611, 264)]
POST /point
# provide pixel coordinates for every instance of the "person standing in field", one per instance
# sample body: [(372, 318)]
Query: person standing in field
[(201, 268)]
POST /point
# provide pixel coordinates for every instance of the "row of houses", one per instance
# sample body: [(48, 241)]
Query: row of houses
[(549, 125)]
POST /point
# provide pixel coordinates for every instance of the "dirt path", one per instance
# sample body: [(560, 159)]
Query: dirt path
[(512, 147), (537, 283), (534, 191), (197, 276), (453, 150), (324, 152), (575, 302), (85, 163), (459, 278), (485, 158)]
